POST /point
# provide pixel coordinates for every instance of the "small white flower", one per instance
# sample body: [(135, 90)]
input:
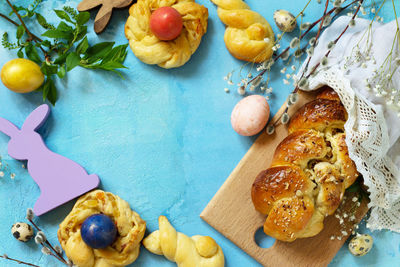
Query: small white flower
[(269, 90), (295, 42), (1, 174), (252, 87), (352, 23), (397, 60), (279, 36), (293, 67), (12, 176), (373, 10), (288, 76), (285, 81), (230, 82), (267, 40), (283, 70), (364, 65), (267, 97), (226, 90)]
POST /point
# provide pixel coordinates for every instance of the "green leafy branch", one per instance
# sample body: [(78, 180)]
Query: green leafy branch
[(63, 47)]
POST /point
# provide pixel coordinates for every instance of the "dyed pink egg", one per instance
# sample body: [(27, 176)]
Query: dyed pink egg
[(250, 115)]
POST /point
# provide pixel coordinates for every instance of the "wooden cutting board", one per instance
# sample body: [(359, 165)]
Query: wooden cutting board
[(232, 213)]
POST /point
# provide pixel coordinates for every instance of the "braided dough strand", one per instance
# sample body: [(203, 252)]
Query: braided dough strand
[(195, 251), (130, 227), (309, 172), (166, 54), (247, 31)]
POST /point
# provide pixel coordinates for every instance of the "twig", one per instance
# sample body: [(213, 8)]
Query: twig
[(326, 54), (31, 35), (4, 256), (10, 20), (304, 34), (60, 256)]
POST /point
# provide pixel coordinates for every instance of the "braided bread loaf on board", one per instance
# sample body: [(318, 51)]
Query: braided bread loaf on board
[(231, 211), (309, 172)]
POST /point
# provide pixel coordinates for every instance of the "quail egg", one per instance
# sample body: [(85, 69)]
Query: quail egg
[(285, 21), (22, 231), (360, 244)]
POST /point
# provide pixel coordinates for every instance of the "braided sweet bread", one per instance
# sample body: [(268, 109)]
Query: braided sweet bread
[(125, 248), (247, 31), (309, 173), (166, 54), (196, 251)]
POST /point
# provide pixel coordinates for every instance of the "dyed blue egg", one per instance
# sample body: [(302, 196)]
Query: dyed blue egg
[(98, 231)]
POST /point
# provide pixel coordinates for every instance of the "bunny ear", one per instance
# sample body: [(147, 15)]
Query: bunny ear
[(36, 118), (8, 128)]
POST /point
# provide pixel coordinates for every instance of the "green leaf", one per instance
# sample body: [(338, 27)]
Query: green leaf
[(46, 43), (61, 59), (42, 22), (57, 34), (82, 18), (82, 33), (49, 69), (82, 46), (50, 91), (20, 54), (117, 54), (20, 31), (61, 71), (63, 15), (62, 26), (72, 61), (111, 65), (98, 51), (32, 53)]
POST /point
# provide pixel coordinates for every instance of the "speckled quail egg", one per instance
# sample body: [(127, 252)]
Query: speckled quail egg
[(360, 244), (22, 231), (285, 21)]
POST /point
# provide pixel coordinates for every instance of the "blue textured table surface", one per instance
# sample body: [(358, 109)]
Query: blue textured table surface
[(160, 139)]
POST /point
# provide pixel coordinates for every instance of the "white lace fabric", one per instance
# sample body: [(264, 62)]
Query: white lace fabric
[(372, 128)]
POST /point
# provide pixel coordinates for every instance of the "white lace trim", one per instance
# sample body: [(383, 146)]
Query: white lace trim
[(368, 143)]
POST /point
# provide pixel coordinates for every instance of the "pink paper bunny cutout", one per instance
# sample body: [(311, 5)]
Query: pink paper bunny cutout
[(59, 179)]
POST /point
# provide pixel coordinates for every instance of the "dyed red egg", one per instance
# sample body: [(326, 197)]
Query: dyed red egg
[(166, 23)]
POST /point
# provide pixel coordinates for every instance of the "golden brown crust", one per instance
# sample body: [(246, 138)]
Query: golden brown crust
[(276, 183), (246, 31), (319, 114), (309, 172), (327, 93), (299, 148), (166, 54), (125, 248), (288, 217)]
